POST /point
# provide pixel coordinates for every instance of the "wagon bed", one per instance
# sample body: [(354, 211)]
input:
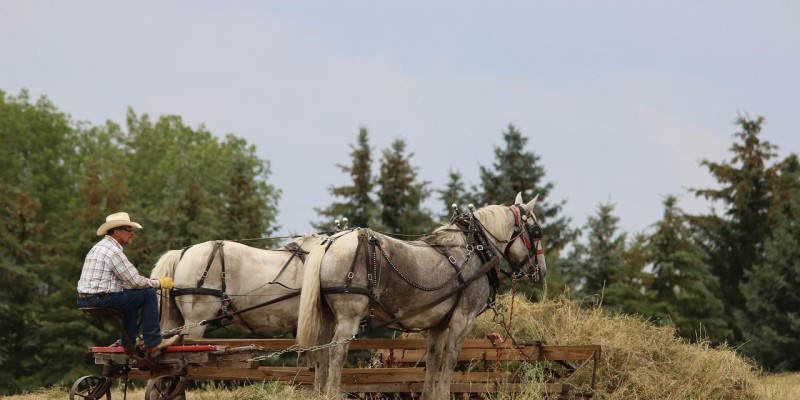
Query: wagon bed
[(402, 367)]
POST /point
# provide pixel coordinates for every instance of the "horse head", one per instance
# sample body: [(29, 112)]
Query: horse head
[(530, 232), (522, 237)]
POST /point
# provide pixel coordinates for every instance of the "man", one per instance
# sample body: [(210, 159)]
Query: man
[(109, 280)]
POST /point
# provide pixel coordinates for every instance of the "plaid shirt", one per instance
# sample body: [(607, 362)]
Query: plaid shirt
[(107, 269)]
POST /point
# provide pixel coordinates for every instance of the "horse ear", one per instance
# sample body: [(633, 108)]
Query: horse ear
[(518, 200), (531, 204)]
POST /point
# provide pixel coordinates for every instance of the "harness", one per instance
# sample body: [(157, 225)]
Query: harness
[(369, 248), (226, 300)]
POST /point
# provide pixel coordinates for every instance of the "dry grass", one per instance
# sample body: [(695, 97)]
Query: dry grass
[(639, 361)]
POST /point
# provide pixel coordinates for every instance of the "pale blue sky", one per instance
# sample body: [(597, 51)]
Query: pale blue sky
[(621, 99)]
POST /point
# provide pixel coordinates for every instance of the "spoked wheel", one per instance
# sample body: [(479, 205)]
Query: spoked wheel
[(91, 387), (166, 388)]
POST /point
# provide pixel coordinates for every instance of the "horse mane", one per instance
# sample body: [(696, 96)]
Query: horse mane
[(493, 219)]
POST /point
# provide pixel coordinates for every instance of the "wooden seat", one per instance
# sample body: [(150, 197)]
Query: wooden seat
[(111, 315)]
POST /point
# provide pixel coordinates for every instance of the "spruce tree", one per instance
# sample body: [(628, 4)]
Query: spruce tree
[(518, 171), (454, 192), (593, 266), (683, 287), (771, 325), (357, 203), (735, 240), (401, 194)]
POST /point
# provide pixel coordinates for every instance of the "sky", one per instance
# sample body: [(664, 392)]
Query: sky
[(619, 99)]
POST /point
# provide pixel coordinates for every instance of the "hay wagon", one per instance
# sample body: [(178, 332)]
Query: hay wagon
[(397, 366)]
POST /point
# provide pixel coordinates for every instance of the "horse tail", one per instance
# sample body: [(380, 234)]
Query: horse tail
[(166, 267), (310, 313)]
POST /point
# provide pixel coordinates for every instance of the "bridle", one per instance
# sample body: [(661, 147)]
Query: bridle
[(531, 235)]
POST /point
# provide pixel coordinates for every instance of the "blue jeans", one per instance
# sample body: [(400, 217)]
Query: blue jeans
[(130, 302)]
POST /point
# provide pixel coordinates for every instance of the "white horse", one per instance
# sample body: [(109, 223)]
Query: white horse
[(440, 283), (265, 281)]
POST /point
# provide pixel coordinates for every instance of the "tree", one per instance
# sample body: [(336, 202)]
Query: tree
[(591, 267), (735, 240), (683, 287), (401, 195), (771, 325), (358, 205), (59, 179), (517, 171), (453, 193), (35, 195)]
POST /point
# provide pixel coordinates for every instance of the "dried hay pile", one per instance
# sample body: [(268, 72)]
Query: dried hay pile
[(639, 359)]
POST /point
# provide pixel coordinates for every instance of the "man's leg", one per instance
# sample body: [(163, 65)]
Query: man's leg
[(129, 302)]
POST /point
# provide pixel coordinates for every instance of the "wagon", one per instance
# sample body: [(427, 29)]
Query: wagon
[(397, 366)]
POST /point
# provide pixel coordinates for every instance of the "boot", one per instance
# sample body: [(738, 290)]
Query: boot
[(157, 349)]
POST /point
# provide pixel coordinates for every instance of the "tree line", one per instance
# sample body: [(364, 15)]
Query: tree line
[(724, 276)]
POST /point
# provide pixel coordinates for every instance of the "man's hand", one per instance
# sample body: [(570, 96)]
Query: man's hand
[(166, 283)]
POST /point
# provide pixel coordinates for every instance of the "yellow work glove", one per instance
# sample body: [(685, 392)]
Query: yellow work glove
[(166, 283)]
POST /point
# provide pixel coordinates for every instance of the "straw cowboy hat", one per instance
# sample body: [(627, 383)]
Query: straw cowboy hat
[(115, 220)]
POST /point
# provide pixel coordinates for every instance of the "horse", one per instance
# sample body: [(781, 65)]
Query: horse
[(253, 288), (439, 283)]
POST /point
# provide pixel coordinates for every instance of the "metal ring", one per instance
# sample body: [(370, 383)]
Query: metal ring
[(480, 247), (469, 248), (452, 260), (350, 275)]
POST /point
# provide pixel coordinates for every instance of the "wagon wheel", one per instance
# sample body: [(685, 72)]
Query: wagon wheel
[(91, 387), (166, 388)]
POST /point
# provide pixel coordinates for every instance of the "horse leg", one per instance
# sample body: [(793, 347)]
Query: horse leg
[(321, 358), (460, 326), (433, 362), (345, 328)]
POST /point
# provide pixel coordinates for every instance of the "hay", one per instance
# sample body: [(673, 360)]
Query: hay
[(639, 359)]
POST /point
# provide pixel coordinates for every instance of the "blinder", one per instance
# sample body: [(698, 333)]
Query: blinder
[(531, 235)]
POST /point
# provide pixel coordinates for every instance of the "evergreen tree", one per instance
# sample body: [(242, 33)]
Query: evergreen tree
[(401, 195), (683, 287), (771, 326), (58, 181), (626, 290), (593, 266), (453, 193), (35, 196), (517, 171), (735, 240), (357, 205)]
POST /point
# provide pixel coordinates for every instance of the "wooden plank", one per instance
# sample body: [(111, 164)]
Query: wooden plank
[(551, 352), (563, 353), (478, 387), (363, 380), (167, 358), (357, 344)]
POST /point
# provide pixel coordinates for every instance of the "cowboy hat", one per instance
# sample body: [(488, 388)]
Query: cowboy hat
[(115, 220)]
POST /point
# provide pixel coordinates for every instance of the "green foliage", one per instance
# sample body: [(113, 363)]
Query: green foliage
[(683, 287), (518, 171), (401, 195), (771, 324), (454, 192), (735, 240), (58, 181), (593, 265), (358, 205)]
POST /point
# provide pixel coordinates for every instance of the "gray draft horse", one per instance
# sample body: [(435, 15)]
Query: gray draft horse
[(253, 276), (440, 283)]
